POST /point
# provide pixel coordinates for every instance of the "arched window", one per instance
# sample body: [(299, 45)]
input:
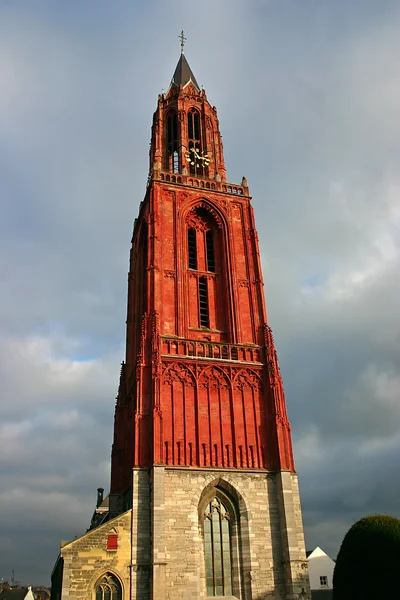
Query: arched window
[(193, 125), (204, 255), (217, 548), (108, 588), (172, 142)]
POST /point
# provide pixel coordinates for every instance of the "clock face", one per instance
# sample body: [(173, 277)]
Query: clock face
[(197, 158)]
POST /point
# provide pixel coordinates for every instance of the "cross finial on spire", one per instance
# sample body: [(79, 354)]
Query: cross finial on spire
[(183, 40)]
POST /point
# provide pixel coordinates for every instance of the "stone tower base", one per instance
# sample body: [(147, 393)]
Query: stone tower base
[(268, 552)]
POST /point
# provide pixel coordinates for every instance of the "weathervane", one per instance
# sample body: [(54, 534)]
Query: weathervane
[(183, 40)]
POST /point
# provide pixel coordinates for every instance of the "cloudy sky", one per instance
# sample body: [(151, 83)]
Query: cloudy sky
[(308, 95)]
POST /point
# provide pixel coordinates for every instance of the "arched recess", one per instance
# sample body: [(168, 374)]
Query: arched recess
[(250, 419), (206, 261), (224, 530), (178, 407), (216, 419), (108, 587)]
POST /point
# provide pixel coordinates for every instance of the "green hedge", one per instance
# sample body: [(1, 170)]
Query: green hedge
[(368, 563)]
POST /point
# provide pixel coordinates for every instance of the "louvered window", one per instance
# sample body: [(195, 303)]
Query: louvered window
[(192, 248), (210, 251), (193, 125), (203, 303)]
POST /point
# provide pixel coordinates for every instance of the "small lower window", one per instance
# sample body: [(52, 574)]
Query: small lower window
[(108, 588), (112, 541), (323, 581)]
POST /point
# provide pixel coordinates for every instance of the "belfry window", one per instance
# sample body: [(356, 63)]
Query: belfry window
[(193, 125), (172, 142), (203, 303), (217, 549), (195, 158), (192, 248), (108, 588)]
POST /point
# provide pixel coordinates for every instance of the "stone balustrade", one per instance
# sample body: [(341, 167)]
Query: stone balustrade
[(201, 183), (213, 350)]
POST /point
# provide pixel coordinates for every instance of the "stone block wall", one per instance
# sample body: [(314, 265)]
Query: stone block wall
[(86, 559), (271, 552)]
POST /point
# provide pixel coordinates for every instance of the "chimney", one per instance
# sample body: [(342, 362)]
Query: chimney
[(100, 492)]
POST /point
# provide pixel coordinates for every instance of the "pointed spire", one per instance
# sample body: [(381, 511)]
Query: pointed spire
[(183, 73)]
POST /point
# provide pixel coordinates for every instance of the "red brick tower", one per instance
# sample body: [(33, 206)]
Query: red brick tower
[(200, 419)]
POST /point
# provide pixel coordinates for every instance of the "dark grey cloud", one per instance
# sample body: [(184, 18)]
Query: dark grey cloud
[(308, 99)]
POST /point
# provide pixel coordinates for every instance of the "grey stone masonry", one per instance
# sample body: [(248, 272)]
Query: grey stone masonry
[(141, 535), (268, 552)]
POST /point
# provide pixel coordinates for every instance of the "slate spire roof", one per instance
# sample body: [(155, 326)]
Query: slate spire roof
[(183, 74)]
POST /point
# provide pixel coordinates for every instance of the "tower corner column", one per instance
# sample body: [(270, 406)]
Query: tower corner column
[(158, 558), (141, 535), (293, 546)]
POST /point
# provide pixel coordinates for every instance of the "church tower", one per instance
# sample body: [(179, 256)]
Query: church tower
[(202, 457)]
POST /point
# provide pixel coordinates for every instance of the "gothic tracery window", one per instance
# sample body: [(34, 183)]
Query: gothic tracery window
[(217, 549), (203, 243), (108, 588)]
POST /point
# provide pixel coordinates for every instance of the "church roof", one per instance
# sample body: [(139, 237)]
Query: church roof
[(183, 74), (14, 594)]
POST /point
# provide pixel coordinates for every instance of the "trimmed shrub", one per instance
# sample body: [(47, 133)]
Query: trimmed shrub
[(368, 562)]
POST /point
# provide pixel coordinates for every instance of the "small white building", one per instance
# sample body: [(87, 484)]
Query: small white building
[(320, 570)]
